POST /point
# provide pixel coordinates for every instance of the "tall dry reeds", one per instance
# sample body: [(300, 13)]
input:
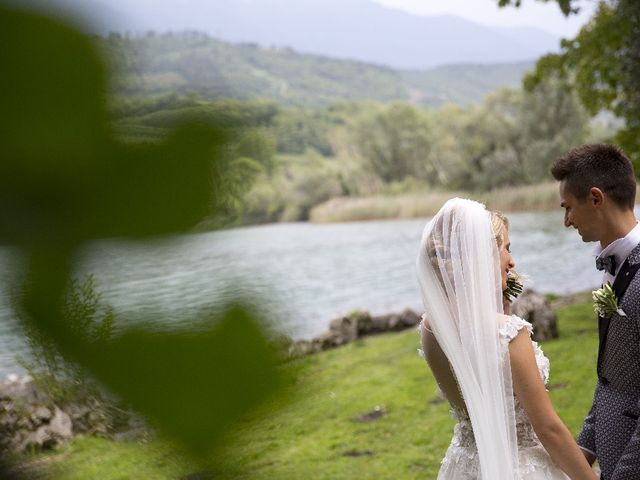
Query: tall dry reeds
[(543, 196)]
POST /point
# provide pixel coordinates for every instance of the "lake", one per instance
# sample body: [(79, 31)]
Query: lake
[(301, 274)]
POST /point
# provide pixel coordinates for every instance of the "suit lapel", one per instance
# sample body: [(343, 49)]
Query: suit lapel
[(620, 285), (623, 279)]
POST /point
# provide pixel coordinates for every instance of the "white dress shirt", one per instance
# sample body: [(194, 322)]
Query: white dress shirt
[(620, 249)]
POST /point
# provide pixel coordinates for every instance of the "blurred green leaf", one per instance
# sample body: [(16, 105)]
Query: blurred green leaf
[(157, 189), (65, 180), (193, 386), (53, 95)]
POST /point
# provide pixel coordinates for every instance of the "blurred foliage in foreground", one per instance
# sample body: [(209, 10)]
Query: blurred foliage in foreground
[(66, 180)]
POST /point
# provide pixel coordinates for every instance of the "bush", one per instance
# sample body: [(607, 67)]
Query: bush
[(60, 379)]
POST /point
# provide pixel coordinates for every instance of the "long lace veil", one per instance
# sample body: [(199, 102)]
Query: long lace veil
[(459, 277)]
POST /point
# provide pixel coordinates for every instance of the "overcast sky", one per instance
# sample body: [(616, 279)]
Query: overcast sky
[(532, 13)]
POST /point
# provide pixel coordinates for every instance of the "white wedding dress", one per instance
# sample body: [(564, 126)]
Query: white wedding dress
[(461, 461)]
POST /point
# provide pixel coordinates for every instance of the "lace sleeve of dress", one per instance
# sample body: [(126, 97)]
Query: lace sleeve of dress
[(421, 327), (512, 326)]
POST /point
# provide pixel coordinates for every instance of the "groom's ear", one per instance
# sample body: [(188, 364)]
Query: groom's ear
[(596, 196)]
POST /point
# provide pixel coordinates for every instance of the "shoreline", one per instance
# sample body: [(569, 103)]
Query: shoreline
[(361, 324), (347, 328)]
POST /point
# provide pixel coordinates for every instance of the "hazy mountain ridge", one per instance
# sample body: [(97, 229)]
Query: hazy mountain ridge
[(350, 29), (195, 63)]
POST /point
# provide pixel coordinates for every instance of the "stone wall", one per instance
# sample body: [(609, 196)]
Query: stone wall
[(531, 306), (346, 329), (31, 420)]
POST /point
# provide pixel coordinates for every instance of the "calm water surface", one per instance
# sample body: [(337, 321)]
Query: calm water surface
[(303, 275)]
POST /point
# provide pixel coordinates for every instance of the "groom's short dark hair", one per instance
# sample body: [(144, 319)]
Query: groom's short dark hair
[(597, 165)]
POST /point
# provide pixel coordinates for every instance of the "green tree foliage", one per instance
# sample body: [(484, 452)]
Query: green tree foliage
[(290, 159), (567, 6), (249, 150), (299, 129), (601, 64), (509, 139), (514, 135), (192, 63), (396, 142), (65, 180)]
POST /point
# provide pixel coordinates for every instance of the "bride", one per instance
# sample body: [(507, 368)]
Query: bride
[(484, 360)]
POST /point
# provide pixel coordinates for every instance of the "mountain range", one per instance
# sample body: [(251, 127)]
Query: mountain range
[(360, 30), (194, 63)]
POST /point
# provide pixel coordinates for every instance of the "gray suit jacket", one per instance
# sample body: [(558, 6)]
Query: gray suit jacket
[(611, 429)]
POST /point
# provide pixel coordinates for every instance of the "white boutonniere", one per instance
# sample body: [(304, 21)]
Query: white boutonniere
[(605, 302), (515, 285)]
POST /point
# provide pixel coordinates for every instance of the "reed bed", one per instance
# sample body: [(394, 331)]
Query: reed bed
[(543, 196)]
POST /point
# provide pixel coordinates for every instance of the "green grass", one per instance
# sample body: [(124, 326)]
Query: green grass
[(315, 435), (97, 458)]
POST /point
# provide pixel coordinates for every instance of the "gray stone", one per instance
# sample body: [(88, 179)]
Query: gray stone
[(50, 435), (60, 425), (395, 322), (380, 323), (41, 413), (345, 329), (535, 309), (30, 420), (300, 348), (364, 321), (409, 318), (329, 340), (21, 389), (39, 439)]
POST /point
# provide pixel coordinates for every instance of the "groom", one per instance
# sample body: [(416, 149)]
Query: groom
[(597, 192)]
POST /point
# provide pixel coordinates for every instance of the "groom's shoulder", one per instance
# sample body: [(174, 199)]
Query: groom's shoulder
[(634, 256)]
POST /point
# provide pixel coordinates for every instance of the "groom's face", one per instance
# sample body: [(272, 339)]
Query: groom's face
[(578, 213)]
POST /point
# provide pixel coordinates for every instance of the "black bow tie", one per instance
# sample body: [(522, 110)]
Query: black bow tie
[(607, 263)]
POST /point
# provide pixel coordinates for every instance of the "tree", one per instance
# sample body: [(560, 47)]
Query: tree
[(514, 135), (396, 144), (601, 64), (567, 6)]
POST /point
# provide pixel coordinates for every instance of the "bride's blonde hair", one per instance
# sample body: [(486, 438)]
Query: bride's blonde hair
[(499, 225)]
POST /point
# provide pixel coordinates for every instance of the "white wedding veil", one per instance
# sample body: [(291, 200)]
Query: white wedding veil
[(460, 281)]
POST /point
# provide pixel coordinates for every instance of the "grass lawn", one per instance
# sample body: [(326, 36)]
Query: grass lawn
[(323, 433)]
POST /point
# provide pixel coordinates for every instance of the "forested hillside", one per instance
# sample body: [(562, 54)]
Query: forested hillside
[(309, 129), (211, 69)]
